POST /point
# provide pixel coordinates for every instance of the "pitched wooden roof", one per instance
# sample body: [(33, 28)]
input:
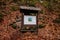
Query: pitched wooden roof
[(30, 8)]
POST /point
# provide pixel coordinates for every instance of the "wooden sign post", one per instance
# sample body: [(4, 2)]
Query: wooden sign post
[(30, 18)]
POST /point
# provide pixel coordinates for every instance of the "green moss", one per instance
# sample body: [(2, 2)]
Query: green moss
[(57, 20), (41, 26), (14, 26), (1, 16), (14, 8), (15, 1), (41, 11), (45, 4), (33, 28), (25, 28)]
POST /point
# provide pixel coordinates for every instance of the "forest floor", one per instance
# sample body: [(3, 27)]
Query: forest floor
[(51, 31)]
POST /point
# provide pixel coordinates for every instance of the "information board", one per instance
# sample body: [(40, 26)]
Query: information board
[(29, 20)]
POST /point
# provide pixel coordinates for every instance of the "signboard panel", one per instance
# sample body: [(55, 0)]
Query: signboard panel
[(29, 20)]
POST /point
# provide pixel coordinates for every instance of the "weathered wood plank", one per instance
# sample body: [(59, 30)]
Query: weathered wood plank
[(30, 8)]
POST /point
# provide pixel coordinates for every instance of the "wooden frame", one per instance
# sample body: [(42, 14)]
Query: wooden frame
[(35, 10), (29, 25)]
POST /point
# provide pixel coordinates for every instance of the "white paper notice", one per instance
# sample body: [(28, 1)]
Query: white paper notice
[(29, 20)]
